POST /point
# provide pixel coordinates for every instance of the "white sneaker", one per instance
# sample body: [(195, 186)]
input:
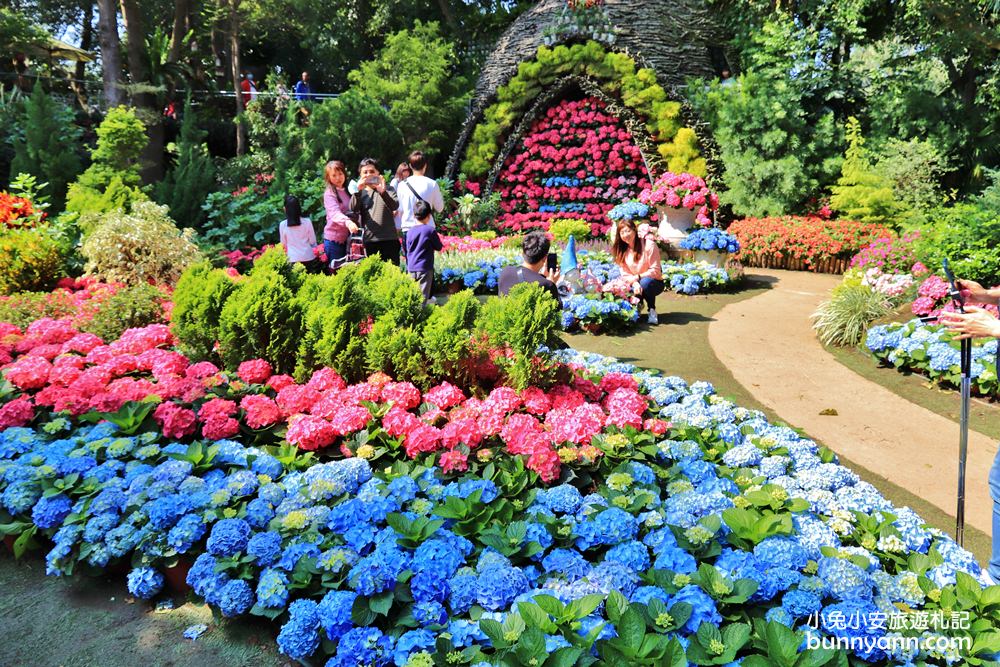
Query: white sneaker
[(652, 318)]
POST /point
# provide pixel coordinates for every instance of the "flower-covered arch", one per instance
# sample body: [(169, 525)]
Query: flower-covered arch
[(670, 140)]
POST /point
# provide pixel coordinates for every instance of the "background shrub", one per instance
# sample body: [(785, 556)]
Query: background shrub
[(23, 308), (561, 230), (112, 179), (198, 299), (518, 324), (48, 149), (132, 307), (447, 337), (261, 320), (250, 216), (349, 128), (31, 260), (863, 193), (185, 187), (139, 247)]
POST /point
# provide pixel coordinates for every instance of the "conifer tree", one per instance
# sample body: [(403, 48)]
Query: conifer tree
[(193, 177), (48, 148), (862, 193)]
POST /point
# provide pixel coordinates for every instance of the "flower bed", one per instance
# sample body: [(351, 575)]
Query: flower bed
[(703, 538), (574, 161), (931, 351), (810, 243)]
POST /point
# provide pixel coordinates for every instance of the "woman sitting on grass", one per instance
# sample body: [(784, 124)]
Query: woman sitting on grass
[(638, 257)]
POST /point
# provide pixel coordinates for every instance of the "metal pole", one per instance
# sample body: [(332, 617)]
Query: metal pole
[(963, 442)]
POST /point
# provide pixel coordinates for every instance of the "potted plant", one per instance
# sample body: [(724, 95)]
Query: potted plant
[(682, 201), (711, 245)]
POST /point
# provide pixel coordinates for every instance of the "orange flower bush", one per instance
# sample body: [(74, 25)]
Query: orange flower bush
[(807, 238)]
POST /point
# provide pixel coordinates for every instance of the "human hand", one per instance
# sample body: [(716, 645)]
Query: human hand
[(351, 227), (553, 274), (380, 186), (975, 322), (636, 288), (977, 294)]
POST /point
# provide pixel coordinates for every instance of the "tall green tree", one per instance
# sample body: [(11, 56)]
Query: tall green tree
[(415, 77), (193, 176), (776, 153), (48, 149)]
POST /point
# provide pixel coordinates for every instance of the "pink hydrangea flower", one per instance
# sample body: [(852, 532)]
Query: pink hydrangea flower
[(254, 371), (310, 433)]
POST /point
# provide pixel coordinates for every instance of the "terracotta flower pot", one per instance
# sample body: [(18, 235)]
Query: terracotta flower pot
[(176, 576)]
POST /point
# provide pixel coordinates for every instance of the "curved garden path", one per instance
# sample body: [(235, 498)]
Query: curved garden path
[(768, 344)]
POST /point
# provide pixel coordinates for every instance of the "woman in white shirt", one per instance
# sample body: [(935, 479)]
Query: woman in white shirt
[(298, 236)]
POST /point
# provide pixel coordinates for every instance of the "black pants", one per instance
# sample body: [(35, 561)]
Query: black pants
[(387, 250)]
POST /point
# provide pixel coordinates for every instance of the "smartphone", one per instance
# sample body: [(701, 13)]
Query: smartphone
[(955, 293), (550, 261), (372, 180)]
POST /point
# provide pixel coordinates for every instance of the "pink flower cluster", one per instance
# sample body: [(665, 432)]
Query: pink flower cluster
[(470, 243), (682, 191), (932, 298), (56, 368), (891, 254), (574, 162)]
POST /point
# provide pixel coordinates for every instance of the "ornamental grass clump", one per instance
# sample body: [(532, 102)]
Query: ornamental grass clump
[(845, 317)]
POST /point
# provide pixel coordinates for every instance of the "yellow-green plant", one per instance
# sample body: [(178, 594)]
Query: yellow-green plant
[(561, 230), (31, 260), (140, 246)]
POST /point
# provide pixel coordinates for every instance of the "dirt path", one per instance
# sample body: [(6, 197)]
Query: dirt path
[(768, 344)]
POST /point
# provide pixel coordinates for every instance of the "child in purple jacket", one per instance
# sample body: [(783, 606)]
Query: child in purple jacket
[(421, 242)]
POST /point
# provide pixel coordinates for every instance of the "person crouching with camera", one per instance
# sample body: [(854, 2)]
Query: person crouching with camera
[(375, 202), (977, 322)]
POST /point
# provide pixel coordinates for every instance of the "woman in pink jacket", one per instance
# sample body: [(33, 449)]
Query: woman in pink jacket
[(638, 257), (341, 222)]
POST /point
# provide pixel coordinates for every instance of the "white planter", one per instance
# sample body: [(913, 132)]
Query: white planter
[(674, 223), (713, 257)]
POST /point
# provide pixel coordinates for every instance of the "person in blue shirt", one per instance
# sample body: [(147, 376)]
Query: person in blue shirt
[(421, 242), (303, 91)]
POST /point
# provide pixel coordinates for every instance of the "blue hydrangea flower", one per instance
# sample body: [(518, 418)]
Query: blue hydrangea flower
[(498, 586), (299, 637), (228, 537), (265, 548), (335, 613), (272, 589), (144, 582), (49, 512)]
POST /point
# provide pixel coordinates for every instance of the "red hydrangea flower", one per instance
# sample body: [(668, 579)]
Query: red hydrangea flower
[(461, 431), (578, 425), (454, 461), (403, 394), (656, 426), (219, 427), (175, 421), (29, 372), (201, 370), (310, 433), (216, 407), (279, 382), (261, 411), (444, 395), (613, 381), (350, 419), (546, 463), (503, 399), (326, 379), (536, 401), (254, 371), (422, 439), (18, 412), (398, 422), (296, 398)]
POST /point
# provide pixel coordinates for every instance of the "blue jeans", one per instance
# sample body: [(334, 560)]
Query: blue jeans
[(651, 288), (333, 250), (994, 567)]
